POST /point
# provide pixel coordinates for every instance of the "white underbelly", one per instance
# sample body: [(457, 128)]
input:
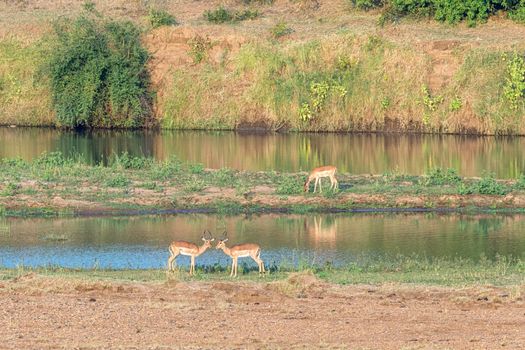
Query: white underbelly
[(186, 253), (243, 255)]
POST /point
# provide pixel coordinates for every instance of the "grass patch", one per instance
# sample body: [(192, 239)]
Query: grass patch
[(412, 270)]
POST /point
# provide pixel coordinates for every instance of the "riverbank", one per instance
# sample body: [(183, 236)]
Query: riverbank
[(302, 66), (53, 185), (170, 309)]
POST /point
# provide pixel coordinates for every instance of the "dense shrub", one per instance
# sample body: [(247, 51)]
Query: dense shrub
[(514, 88), (98, 73), (450, 11), (158, 18)]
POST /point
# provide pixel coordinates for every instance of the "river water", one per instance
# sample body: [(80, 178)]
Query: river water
[(341, 239), (353, 153)]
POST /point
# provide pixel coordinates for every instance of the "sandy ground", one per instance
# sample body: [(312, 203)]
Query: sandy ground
[(302, 312)]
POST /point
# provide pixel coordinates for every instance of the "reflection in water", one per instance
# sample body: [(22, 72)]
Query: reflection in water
[(321, 234), (142, 242), (354, 153)]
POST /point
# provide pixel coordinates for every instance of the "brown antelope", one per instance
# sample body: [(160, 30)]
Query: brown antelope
[(318, 173), (189, 249), (241, 251)]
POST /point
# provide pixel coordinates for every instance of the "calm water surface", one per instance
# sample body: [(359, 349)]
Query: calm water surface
[(141, 242), (354, 153)]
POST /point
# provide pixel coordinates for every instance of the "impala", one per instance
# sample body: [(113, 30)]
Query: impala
[(189, 249), (241, 251), (318, 173)]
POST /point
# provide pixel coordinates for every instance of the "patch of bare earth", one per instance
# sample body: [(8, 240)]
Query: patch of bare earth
[(302, 312)]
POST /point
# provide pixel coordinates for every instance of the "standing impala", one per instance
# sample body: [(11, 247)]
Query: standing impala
[(318, 173), (241, 251), (189, 249)]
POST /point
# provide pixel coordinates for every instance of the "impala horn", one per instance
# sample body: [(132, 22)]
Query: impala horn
[(207, 236), (224, 237)]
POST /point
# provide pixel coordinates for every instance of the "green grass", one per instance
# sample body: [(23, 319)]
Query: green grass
[(399, 269), (173, 184), (24, 96)]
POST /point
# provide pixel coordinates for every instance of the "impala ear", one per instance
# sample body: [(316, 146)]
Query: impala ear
[(225, 240), (213, 239)]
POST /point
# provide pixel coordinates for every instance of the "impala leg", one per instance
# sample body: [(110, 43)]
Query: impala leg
[(233, 266), (171, 260), (320, 187), (192, 266), (315, 184)]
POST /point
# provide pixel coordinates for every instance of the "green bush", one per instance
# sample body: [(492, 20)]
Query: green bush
[(514, 88), (280, 29), (450, 11), (486, 185), (51, 160), (98, 73), (367, 4), (439, 177), (118, 180), (223, 15), (158, 18), (290, 185), (126, 161)]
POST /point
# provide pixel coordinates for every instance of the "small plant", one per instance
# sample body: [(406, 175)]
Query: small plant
[(486, 185), (88, 6), (130, 162), (305, 112), (290, 185), (9, 190), (367, 4), (344, 63), (195, 185), (385, 103), (158, 18), (196, 168), (455, 104), (489, 185), (520, 182), (118, 180), (223, 15), (430, 102), (224, 177), (51, 160), (439, 177), (219, 15), (280, 29), (514, 88), (199, 47)]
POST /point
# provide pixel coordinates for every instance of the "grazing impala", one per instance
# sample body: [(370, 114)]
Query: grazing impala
[(190, 249), (241, 251), (318, 173)]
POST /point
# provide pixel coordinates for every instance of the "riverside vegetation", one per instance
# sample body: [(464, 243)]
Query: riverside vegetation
[(55, 185), (355, 78)]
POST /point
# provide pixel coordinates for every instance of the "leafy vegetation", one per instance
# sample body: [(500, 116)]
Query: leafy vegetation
[(439, 177), (224, 15), (199, 47), (98, 73), (280, 29), (158, 18), (514, 88), (449, 11)]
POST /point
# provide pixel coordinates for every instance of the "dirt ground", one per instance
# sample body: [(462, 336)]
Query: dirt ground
[(302, 312)]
